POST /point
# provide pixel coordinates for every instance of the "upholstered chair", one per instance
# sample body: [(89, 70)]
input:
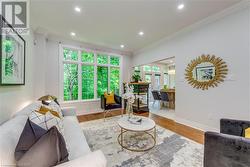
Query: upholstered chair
[(109, 107), (227, 148)]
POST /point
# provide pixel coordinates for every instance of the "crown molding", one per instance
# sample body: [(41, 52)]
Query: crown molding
[(210, 19)]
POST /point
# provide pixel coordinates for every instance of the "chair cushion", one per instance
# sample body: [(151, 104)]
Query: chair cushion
[(110, 98), (113, 106), (247, 133), (75, 140)]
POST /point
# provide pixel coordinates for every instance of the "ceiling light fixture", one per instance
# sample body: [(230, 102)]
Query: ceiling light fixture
[(141, 33), (181, 6), (73, 34), (122, 46), (77, 9)]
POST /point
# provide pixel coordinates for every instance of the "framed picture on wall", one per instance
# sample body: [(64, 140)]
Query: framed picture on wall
[(12, 57)]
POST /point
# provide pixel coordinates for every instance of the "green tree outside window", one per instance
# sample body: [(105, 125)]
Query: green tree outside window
[(156, 69), (147, 68), (8, 62), (102, 80), (115, 80), (69, 54), (87, 82), (102, 59), (115, 61), (87, 57), (70, 82)]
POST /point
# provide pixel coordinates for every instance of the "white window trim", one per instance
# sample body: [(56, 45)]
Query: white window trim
[(80, 63)]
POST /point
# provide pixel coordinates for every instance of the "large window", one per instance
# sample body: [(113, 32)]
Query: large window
[(87, 75)]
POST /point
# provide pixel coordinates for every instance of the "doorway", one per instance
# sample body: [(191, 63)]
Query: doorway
[(161, 77)]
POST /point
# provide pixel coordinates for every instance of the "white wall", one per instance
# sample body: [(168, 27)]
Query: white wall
[(50, 65), (227, 38), (13, 98)]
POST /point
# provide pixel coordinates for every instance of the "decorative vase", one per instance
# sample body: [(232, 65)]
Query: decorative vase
[(129, 109)]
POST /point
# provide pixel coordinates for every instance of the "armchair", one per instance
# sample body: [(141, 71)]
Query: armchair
[(228, 148), (109, 107)]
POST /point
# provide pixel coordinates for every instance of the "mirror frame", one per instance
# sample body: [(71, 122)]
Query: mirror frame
[(221, 71)]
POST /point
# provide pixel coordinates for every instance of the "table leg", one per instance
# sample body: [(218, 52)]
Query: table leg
[(155, 133)]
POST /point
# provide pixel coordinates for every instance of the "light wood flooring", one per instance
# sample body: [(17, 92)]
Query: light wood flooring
[(183, 130)]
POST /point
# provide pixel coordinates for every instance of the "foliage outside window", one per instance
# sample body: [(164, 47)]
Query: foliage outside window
[(69, 54), (102, 80), (115, 80), (87, 57), (102, 59), (70, 81), (155, 69), (80, 77), (147, 68), (148, 78), (115, 61), (87, 82)]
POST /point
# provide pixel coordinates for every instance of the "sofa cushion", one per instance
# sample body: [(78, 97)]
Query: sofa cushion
[(30, 134), (94, 159), (49, 150), (10, 132), (75, 140)]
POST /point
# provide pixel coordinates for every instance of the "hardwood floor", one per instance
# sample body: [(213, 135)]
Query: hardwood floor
[(183, 130)]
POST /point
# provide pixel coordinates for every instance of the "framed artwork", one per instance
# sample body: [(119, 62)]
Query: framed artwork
[(205, 73), (12, 57)]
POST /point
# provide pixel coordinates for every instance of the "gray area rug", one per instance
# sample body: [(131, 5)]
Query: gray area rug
[(171, 150)]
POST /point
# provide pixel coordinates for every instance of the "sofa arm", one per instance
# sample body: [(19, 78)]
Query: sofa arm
[(94, 159), (69, 111), (224, 150), (233, 127)]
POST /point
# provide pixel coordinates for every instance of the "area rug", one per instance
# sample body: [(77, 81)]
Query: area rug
[(171, 150)]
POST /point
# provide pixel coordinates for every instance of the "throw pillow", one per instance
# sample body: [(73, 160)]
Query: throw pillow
[(247, 133), (30, 134), (49, 150), (46, 118), (110, 98)]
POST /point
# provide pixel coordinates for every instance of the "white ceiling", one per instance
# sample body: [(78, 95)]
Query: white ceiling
[(111, 23)]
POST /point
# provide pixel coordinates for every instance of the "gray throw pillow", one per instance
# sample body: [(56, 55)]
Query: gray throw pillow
[(49, 150), (30, 134)]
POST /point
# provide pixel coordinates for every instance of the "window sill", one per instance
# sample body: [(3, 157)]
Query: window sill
[(80, 101)]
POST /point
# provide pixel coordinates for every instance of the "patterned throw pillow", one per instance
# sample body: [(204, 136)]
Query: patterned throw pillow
[(46, 118)]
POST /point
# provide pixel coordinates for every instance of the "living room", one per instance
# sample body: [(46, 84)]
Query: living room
[(76, 63)]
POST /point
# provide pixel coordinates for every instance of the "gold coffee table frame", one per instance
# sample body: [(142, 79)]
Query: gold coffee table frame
[(120, 138)]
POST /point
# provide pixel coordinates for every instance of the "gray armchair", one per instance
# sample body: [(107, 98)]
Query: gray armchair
[(228, 148)]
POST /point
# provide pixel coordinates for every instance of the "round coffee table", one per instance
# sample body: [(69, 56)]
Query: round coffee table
[(147, 127)]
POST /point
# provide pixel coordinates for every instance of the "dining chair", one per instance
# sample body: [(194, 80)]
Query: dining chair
[(164, 97), (156, 96)]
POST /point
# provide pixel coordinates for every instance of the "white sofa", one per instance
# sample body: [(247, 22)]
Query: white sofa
[(79, 151)]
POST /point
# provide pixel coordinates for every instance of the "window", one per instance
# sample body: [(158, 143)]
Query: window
[(87, 75), (87, 57), (148, 78), (114, 61), (70, 81), (87, 82), (155, 69), (102, 80), (115, 80), (147, 68), (102, 59)]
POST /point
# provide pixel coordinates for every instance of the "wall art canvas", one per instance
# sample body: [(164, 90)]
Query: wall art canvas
[(12, 57)]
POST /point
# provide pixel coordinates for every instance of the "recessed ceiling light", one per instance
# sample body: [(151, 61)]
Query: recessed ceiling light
[(122, 46), (73, 34), (181, 6), (77, 9), (141, 33)]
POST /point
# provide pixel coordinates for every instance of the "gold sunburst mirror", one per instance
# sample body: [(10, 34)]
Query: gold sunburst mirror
[(206, 71)]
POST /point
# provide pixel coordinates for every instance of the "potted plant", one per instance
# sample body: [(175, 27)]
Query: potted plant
[(136, 77)]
